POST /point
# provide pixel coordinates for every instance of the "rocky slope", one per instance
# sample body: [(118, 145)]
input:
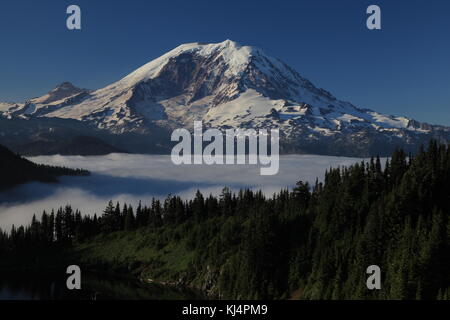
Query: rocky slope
[(227, 85)]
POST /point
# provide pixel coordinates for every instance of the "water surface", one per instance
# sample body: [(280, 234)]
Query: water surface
[(93, 287)]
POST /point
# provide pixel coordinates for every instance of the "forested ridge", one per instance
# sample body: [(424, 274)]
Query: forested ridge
[(15, 170), (312, 242)]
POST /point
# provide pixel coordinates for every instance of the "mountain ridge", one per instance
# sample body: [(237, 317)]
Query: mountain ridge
[(17, 170), (227, 85)]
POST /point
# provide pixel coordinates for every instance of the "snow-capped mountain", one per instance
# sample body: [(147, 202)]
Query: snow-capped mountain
[(227, 85), (63, 95)]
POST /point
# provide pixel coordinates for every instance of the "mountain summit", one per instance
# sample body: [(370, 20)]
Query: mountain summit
[(62, 91), (227, 85)]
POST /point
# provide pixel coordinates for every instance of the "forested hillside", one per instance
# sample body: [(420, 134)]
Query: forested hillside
[(308, 243), (15, 170)]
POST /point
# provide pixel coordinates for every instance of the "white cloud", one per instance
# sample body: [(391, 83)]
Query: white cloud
[(130, 178)]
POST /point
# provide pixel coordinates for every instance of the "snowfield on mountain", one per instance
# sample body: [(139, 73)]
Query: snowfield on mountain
[(227, 85)]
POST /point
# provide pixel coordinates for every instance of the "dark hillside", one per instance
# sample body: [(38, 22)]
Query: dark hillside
[(15, 170)]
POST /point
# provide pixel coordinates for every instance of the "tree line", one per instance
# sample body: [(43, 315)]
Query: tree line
[(15, 170), (311, 242)]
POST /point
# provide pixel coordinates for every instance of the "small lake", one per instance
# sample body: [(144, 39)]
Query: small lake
[(94, 287)]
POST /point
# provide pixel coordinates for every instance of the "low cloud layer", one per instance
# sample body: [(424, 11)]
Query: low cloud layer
[(131, 178)]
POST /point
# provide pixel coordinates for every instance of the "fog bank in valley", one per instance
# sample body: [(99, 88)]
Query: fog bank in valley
[(133, 178)]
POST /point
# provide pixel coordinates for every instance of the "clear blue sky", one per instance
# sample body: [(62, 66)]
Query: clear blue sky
[(404, 69)]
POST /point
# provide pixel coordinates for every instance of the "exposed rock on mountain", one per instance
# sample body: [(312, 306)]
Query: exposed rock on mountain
[(227, 85)]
